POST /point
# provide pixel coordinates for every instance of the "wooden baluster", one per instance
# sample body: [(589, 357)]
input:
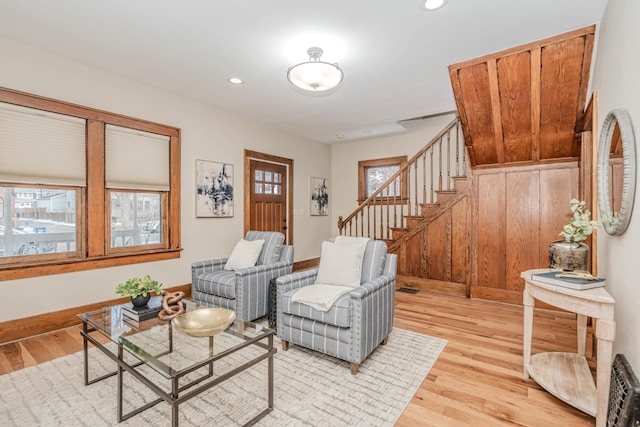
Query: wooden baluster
[(340, 225), (424, 178), (375, 209), (440, 164), (449, 160), (395, 200), (415, 189), (457, 154), (431, 176), (388, 219)]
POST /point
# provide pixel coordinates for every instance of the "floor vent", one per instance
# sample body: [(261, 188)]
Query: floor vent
[(624, 395), (408, 290)]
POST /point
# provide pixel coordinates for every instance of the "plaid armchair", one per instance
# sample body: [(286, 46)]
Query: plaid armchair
[(356, 323), (246, 290)]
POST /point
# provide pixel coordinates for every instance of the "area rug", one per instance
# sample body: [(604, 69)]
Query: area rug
[(311, 389)]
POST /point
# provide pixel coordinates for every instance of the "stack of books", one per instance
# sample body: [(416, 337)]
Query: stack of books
[(576, 283), (139, 314)]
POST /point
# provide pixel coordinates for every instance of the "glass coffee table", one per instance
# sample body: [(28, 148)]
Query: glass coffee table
[(189, 364)]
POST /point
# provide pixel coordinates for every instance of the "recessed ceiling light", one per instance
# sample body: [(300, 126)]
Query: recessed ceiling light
[(236, 81), (434, 4), (339, 136)]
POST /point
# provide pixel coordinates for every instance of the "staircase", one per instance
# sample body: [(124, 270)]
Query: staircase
[(423, 213)]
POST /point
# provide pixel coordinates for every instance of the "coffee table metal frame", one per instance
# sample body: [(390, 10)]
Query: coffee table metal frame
[(176, 396)]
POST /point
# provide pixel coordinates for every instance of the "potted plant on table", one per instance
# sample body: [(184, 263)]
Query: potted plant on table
[(139, 289), (570, 254)]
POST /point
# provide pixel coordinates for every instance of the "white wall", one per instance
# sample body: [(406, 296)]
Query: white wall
[(618, 85), (345, 157), (207, 134)]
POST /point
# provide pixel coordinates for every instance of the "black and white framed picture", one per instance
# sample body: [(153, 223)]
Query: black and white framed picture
[(319, 196), (214, 189)]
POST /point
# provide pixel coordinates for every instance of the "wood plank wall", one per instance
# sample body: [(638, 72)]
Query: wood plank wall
[(516, 217)]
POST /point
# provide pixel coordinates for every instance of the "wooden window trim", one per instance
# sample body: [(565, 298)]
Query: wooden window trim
[(91, 214), (401, 161)]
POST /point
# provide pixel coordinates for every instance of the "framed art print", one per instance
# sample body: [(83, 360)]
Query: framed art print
[(319, 196), (214, 189)]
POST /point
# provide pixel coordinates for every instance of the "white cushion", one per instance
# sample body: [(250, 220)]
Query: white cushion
[(244, 255), (340, 264)]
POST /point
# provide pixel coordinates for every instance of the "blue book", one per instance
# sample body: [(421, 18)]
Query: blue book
[(579, 284)]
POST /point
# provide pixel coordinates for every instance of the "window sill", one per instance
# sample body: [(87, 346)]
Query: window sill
[(23, 271)]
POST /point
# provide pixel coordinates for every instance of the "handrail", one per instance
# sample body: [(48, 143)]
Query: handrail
[(400, 183)]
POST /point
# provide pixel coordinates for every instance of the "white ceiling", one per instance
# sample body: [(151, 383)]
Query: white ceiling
[(394, 53)]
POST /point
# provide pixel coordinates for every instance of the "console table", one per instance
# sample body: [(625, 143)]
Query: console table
[(567, 375)]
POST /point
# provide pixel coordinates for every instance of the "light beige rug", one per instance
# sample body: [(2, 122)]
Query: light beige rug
[(311, 389)]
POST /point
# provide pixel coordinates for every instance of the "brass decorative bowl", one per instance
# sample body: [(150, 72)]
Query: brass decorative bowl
[(204, 322)]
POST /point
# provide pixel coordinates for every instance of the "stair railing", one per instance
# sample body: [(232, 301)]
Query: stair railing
[(430, 170)]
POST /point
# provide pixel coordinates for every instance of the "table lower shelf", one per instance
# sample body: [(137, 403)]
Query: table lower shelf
[(566, 376)]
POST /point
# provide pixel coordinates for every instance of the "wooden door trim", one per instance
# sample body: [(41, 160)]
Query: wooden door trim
[(255, 155)]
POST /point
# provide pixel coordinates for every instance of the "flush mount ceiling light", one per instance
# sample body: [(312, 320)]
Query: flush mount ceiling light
[(235, 80), (315, 75), (434, 4)]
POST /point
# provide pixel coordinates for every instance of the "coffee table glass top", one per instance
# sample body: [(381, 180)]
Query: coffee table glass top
[(167, 350)]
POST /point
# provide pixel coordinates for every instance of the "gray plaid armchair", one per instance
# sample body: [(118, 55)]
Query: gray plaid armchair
[(244, 291), (357, 322)]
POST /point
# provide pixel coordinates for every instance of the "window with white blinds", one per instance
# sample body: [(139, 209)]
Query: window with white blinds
[(136, 160), (82, 188), (40, 147)]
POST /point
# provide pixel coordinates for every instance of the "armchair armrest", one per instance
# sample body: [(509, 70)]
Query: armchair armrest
[(200, 267), (372, 286), (280, 265), (296, 280)]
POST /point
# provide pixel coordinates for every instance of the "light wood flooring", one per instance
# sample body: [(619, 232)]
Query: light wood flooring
[(477, 380)]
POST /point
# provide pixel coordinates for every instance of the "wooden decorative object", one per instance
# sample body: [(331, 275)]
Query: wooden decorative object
[(171, 305)]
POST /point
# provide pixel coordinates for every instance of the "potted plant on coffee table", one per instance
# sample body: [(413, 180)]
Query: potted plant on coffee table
[(139, 289)]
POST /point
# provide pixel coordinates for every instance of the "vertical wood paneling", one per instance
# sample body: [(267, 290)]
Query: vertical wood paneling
[(535, 103), (491, 231), (522, 226), (557, 188), (460, 238), (474, 86), (559, 94), (496, 111), (439, 248), (414, 255), (514, 74)]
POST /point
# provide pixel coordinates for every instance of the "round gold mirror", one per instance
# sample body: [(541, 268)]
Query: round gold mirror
[(616, 172)]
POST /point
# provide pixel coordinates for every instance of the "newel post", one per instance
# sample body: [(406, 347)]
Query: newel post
[(340, 225)]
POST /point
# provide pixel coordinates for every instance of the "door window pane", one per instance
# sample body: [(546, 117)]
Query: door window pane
[(277, 177), (277, 189), (37, 221), (268, 176), (267, 188), (259, 188), (136, 219), (258, 175)]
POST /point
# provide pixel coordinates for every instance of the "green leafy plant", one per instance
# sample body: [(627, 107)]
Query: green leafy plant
[(579, 226), (136, 286)]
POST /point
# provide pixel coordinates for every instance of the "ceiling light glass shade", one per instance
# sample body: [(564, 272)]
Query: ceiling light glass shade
[(315, 75), (434, 4)]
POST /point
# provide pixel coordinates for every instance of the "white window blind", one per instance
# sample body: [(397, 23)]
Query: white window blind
[(40, 147), (136, 160)]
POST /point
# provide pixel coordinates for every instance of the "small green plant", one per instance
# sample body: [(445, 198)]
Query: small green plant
[(579, 226), (136, 286)]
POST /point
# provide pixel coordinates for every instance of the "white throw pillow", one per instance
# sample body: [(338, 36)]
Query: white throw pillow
[(244, 255), (340, 265)]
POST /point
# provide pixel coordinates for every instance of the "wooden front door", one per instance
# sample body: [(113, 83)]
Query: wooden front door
[(268, 197)]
